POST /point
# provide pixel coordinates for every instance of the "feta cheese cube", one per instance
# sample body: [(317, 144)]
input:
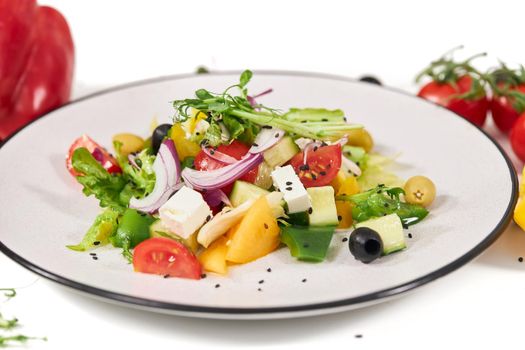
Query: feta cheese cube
[(294, 193), (185, 212)]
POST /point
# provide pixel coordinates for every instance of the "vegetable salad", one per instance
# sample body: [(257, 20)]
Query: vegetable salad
[(232, 180)]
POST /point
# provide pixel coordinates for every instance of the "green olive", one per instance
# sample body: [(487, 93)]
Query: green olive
[(360, 138), (420, 190), (130, 143)]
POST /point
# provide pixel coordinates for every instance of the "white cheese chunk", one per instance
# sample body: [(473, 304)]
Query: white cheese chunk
[(185, 212), (294, 193)]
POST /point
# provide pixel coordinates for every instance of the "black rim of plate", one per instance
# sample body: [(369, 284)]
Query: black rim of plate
[(196, 310)]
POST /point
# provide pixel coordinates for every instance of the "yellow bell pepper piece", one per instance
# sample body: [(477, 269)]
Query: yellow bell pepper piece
[(519, 211), (349, 186), (185, 147)]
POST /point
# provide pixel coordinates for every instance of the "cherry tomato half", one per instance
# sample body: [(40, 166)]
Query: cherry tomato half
[(99, 153), (474, 110), (517, 137), (503, 111), (165, 256), (321, 166), (237, 150)]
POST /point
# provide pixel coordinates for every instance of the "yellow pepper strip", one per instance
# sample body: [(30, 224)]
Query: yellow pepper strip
[(348, 186), (519, 211)]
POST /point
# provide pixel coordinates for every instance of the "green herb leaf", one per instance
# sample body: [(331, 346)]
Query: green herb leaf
[(21, 339), (8, 324), (213, 134), (188, 162), (203, 94), (235, 128), (245, 78)]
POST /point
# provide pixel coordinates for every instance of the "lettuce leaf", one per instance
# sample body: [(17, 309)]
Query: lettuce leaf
[(104, 226), (375, 173)]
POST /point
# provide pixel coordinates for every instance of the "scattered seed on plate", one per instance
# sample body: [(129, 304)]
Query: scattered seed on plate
[(93, 254), (259, 289), (359, 336), (269, 269), (94, 257), (409, 235), (265, 225), (203, 275), (288, 188), (261, 281), (96, 243), (166, 276), (520, 259), (217, 285), (288, 183), (304, 280), (345, 239), (310, 210)]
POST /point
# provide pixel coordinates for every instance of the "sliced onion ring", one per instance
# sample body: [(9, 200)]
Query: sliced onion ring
[(214, 198), (167, 179), (266, 138), (218, 156), (215, 179)]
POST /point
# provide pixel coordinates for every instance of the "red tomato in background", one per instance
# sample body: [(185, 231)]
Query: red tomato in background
[(165, 256), (503, 112), (517, 137), (321, 167), (237, 150), (99, 153), (442, 94)]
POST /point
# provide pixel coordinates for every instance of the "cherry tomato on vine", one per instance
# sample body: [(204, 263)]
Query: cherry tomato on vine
[(508, 100), (517, 137)]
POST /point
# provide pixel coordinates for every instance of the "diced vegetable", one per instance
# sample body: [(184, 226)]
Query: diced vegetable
[(282, 152), (132, 229), (185, 147), (243, 191), (308, 243), (130, 143), (255, 236), (391, 231), (323, 211), (213, 259)]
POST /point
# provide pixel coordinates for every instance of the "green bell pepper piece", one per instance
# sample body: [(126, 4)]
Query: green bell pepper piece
[(307, 243), (133, 229)]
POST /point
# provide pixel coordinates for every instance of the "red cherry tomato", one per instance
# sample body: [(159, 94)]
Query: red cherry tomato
[(474, 110), (165, 256), (503, 111), (517, 137), (99, 153), (237, 150), (321, 166)]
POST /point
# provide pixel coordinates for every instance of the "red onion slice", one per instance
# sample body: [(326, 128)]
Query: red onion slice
[(218, 156), (266, 138), (215, 179), (215, 197), (167, 179), (251, 99)]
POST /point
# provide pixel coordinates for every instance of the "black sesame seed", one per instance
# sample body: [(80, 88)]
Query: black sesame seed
[(322, 173), (217, 285), (96, 243), (166, 276), (288, 188), (197, 133), (314, 177), (93, 254), (288, 183), (304, 167), (208, 218), (277, 135), (386, 205), (306, 245), (304, 280), (269, 269), (94, 257), (520, 259), (267, 127), (310, 210), (323, 144), (405, 226), (303, 121), (357, 163), (203, 275), (345, 239), (259, 289), (261, 281), (255, 144), (316, 148), (212, 152), (324, 120), (359, 336), (409, 235), (339, 217), (265, 225)]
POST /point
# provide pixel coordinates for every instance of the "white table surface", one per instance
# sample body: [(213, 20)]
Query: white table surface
[(480, 304)]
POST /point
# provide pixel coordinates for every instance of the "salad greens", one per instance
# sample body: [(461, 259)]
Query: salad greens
[(381, 201), (105, 226), (242, 116)]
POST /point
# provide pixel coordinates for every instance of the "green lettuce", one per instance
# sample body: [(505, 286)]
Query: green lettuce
[(105, 226)]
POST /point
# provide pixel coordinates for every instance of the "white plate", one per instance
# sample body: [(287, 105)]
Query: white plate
[(42, 208)]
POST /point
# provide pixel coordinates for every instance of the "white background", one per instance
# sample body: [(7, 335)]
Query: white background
[(481, 304)]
